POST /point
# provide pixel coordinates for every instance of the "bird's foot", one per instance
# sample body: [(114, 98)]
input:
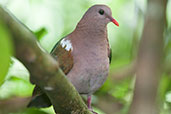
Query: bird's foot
[(93, 111), (89, 105)]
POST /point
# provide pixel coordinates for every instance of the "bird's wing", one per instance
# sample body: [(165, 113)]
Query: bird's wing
[(62, 52), (110, 55), (109, 51)]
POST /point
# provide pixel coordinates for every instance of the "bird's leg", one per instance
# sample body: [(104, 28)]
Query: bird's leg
[(89, 104)]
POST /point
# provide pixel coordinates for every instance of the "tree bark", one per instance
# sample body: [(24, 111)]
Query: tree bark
[(149, 63), (44, 70)]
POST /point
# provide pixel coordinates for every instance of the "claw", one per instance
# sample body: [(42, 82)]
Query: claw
[(94, 112)]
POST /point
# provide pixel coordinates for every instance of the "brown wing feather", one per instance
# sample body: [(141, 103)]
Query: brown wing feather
[(63, 56)]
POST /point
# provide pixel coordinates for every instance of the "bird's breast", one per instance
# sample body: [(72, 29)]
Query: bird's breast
[(91, 65)]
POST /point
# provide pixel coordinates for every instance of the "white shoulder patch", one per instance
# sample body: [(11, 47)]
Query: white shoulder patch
[(67, 44)]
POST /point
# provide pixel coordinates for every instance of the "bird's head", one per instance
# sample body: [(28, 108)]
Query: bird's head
[(100, 15)]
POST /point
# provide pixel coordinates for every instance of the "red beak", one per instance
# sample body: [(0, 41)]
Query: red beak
[(115, 22)]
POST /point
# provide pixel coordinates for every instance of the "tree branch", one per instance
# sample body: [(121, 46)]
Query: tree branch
[(44, 70), (149, 62), (20, 104)]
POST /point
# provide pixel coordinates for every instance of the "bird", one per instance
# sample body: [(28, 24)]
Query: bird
[(84, 55)]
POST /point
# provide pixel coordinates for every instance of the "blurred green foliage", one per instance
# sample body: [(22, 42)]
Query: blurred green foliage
[(31, 111), (51, 20), (40, 33), (16, 87), (16, 82), (6, 51)]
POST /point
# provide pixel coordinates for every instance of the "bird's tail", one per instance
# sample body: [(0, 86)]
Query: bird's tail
[(40, 100)]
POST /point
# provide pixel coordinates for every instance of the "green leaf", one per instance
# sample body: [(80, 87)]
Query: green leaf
[(18, 70), (16, 87), (40, 33), (31, 111), (5, 51), (164, 86), (49, 110)]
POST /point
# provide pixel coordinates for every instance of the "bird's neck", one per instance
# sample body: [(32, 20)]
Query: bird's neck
[(90, 37), (92, 27), (91, 30)]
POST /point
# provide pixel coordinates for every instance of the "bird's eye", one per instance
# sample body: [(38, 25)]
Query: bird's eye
[(101, 12)]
